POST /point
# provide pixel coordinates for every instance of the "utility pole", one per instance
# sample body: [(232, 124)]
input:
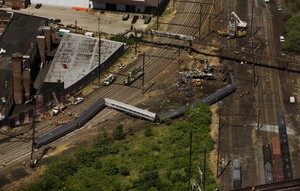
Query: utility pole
[(76, 26), (200, 22), (32, 162), (190, 165), (173, 5), (251, 35), (209, 24), (157, 14), (143, 82), (178, 59), (99, 57), (204, 168)]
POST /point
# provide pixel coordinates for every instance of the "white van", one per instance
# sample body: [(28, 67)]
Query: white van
[(292, 99)]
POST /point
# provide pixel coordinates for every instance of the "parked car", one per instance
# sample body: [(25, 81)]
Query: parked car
[(50, 21), (109, 80), (292, 99), (125, 17), (121, 66), (57, 20), (279, 8), (39, 5), (267, 1), (77, 100), (281, 38)]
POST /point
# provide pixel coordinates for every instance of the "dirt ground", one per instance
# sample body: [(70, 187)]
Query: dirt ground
[(168, 94), (237, 114), (163, 96)]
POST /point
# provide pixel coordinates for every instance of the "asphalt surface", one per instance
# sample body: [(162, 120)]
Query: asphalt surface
[(260, 91), (110, 22)]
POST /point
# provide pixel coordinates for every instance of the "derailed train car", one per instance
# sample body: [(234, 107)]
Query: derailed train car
[(102, 103), (69, 127), (211, 99), (132, 110)]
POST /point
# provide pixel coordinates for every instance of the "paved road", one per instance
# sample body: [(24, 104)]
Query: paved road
[(110, 22)]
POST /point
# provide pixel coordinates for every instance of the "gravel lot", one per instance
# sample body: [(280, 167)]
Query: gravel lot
[(110, 22)]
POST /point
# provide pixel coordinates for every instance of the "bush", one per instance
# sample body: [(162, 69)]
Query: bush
[(118, 133), (148, 132), (124, 171)]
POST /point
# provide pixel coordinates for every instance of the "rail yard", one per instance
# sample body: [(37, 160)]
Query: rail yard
[(257, 144)]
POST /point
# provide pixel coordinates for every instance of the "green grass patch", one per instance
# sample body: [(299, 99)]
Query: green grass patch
[(151, 159)]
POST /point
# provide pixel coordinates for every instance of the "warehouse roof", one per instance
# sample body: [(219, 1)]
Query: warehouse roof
[(19, 35), (77, 56)]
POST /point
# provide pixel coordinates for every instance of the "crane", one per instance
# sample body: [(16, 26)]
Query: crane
[(59, 107), (240, 23)]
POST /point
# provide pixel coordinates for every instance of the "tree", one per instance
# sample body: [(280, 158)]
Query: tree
[(63, 167), (124, 171), (103, 139), (118, 133), (148, 132), (148, 180)]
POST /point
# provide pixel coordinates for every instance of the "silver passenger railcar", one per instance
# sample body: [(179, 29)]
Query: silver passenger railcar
[(130, 109)]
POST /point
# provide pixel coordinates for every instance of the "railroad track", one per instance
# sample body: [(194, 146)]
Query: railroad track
[(18, 151)]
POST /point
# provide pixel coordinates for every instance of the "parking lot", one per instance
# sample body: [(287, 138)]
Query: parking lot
[(110, 22)]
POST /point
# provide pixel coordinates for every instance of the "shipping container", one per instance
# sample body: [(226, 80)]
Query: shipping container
[(276, 147), (278, 169)]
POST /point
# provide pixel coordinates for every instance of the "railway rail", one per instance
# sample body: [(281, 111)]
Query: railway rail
[(289, 185), (153, 67)]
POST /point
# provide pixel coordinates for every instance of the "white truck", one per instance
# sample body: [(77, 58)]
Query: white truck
[(109, 80)]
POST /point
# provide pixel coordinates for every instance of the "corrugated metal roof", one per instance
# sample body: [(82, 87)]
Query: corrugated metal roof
[(19, 36), (77, 56)]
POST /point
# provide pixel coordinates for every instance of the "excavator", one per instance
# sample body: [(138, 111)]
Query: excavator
[(239, 22), (235, 29)]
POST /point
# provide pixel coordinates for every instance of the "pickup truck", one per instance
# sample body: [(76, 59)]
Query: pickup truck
[(109, 80)]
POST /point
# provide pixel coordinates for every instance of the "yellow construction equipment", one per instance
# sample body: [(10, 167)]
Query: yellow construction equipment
[(225, 33), (197, 82), (240, 33)]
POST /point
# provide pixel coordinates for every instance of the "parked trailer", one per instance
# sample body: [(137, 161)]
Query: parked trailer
[(69, 127), (236, 174), (268, 173), (276, 147), (130, 109), (278, 169)]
